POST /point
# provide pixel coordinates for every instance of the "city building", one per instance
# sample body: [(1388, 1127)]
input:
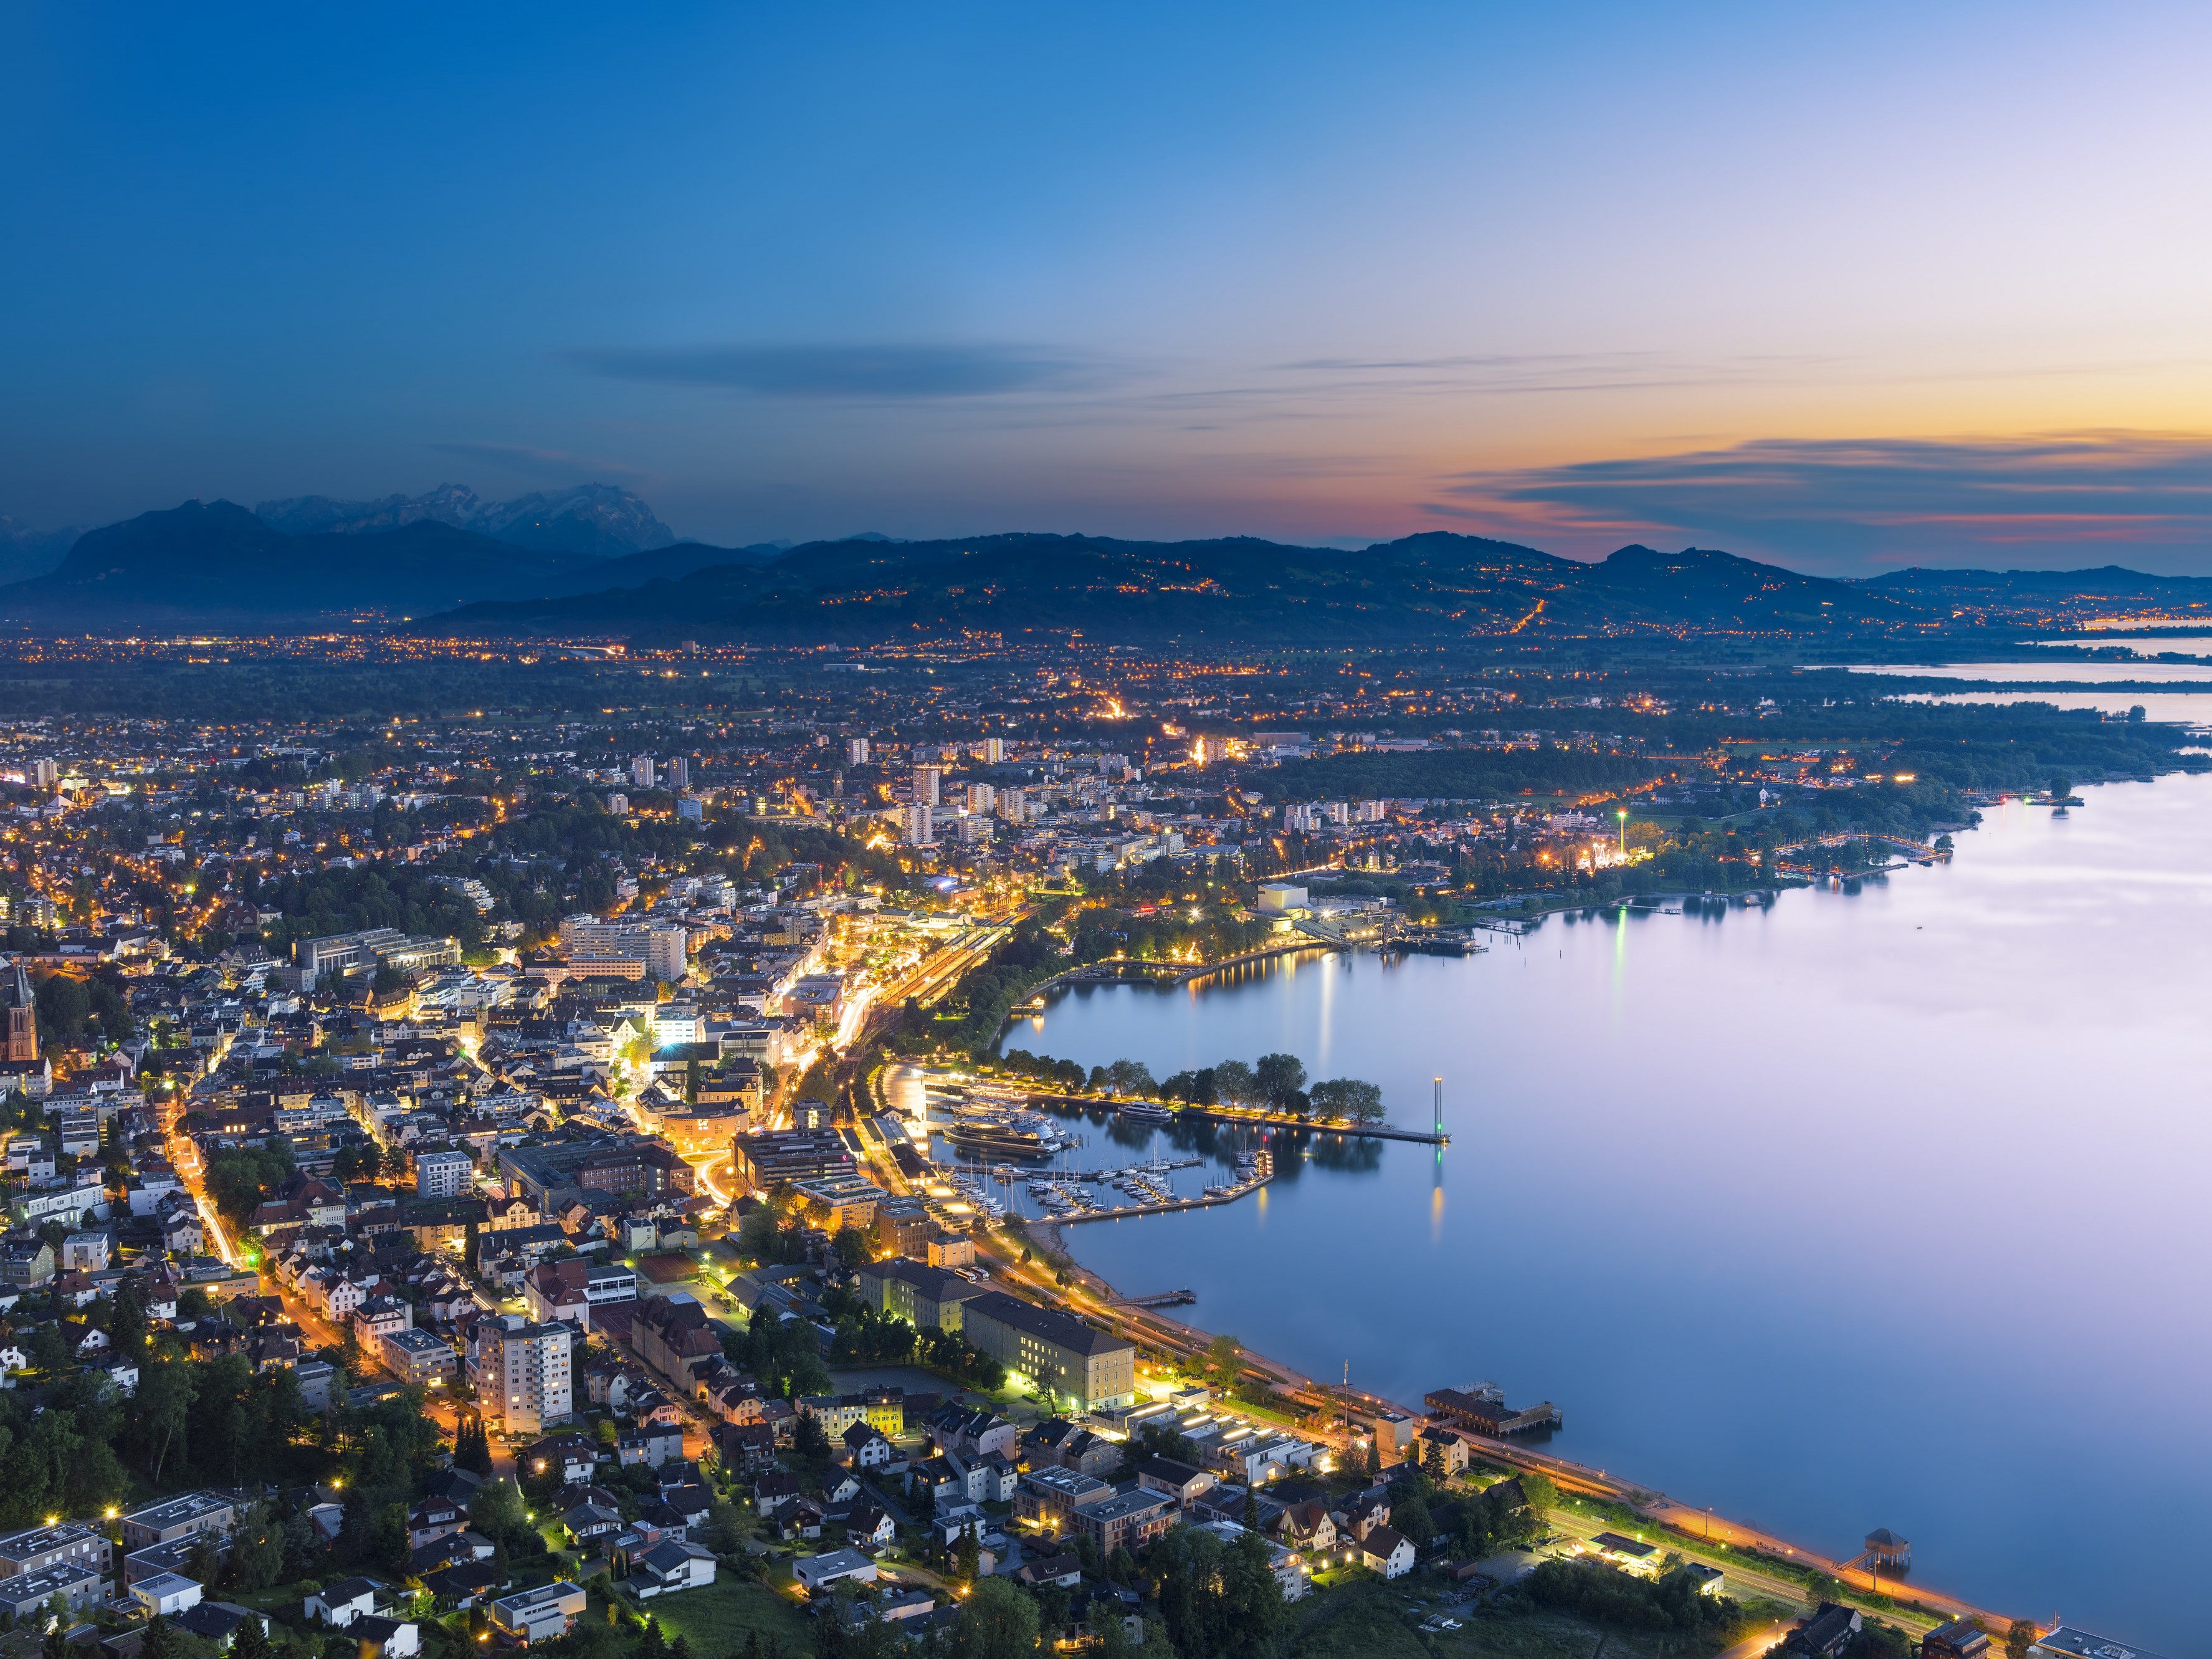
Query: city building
[(178, 1518), (534, 1615), (1086, 1368), (443, 1175), (416, 1356), (525, 1382), (371, 949), (928, 1299), (37, 1548)]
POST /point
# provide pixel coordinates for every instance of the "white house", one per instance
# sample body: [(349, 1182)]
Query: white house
[(386, 1639), (340, 1603), (869, 1448), (813, 1571), (1387, 1552), (870, 1524), (166, 1593), (672, 1566)]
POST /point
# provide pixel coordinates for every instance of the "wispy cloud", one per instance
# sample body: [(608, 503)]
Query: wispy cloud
[(1520, 373), (896, 372), (1857, 503)]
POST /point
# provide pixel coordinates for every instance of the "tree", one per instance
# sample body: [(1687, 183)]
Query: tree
[(1221, 1601), (1233, 1082), (1348, 1097), (1409, 1513), (1101, 1621), (997, 1621), (257, 1549), (2020, 1638), (166, 1390), (1432, 1461), (471, 1445), (1279, 1078), (967, 1558), (1223, 1362), (126, 1320), (497, 1510), (2062, 788), (1537, 1489), (809, 1438)]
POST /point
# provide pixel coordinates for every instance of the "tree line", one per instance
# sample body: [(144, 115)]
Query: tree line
[(1274, 1081)]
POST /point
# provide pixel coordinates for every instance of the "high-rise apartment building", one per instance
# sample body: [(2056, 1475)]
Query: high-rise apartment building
[(981, 797), (928, 782), (680, 771), (856, 752), (995, 751), (918, 829), (641, 772), (442, 1175), (523, 1379)]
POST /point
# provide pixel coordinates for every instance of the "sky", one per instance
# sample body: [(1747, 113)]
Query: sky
[(1844, 288)]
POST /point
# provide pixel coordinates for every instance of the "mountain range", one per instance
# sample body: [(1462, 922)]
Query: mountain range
[(214, 562), (1234, 588), (599, 520), (447, 563)]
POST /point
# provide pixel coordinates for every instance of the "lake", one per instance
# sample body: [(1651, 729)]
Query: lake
[(1883, 1209)]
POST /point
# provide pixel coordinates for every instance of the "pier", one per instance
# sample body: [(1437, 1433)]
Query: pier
[(1228, 1195)]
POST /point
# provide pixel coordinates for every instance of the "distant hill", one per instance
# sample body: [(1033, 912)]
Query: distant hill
[(1437, 583), (600, 520), (215, 562), (27, 552), (2027, 597)]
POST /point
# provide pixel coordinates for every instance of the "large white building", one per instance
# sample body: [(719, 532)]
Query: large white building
[(523, 1379), (664, 947), (928, 782), (442, 1175)]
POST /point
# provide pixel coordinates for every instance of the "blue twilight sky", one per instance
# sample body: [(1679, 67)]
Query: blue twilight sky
[(1842, 286)]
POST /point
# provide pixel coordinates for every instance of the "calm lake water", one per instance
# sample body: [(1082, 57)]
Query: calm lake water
[(1883, 1209)]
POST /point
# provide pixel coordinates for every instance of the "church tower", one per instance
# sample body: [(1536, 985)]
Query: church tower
[(22, 1014)]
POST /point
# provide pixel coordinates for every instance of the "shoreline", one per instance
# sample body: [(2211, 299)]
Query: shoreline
[(1913, 1604), (1699, 1532)]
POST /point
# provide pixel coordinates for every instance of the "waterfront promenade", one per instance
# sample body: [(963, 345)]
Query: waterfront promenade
[(1730, 1544)]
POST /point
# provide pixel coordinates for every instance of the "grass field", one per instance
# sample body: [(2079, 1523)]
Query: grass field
[(1376, 1621), (713, 1621)]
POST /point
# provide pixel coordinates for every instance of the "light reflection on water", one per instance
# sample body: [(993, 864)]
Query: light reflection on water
[(1879, 1209)]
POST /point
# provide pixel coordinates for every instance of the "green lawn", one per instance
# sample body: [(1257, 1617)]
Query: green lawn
[(714, 1620), (1373, 1621)]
